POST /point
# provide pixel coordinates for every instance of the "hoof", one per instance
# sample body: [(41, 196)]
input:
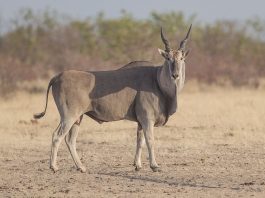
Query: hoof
[(138, 168), (82, 169), (156, 169), (54, 168)]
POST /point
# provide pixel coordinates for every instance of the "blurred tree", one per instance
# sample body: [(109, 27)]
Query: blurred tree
[(38, 44)]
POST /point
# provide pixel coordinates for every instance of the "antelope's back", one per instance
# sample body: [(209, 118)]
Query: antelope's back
[(137, 64)]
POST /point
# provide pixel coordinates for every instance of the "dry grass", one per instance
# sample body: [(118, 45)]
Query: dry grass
[(212, 147)]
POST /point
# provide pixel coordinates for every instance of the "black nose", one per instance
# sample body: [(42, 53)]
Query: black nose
[(175, 76)]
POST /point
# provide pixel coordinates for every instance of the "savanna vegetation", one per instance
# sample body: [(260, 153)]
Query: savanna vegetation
[(37, 45)]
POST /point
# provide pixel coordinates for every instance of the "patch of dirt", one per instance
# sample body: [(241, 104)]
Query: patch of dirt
[(196, 161)]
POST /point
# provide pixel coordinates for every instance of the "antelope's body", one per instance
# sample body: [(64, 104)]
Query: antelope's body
[(139, 92)]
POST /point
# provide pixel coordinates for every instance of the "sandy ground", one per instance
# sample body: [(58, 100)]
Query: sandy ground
[(212, 147)]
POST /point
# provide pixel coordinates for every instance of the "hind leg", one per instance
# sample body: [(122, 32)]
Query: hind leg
[(57, 138), (139, 145), (70, 140)]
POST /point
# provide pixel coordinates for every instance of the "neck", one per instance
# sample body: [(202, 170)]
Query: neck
[(168, 88), (166, 84)]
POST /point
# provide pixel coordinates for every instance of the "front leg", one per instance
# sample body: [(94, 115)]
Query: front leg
[(148, 128), (139, 146)]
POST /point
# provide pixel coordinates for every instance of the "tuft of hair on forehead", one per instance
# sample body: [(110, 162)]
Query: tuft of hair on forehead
[(177, 53)]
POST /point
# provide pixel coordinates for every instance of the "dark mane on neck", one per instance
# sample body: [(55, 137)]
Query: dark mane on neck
[(137, 64)]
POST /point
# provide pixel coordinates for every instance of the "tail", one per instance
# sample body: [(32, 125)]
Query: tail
[(40, 115)]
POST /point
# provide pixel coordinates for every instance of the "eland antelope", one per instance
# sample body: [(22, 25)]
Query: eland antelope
[(139, 92)]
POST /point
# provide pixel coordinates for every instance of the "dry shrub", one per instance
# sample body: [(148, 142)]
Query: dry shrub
[(12, 73), (42, 43)]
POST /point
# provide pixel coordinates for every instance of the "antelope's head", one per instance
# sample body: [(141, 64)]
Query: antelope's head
[(175, 59)]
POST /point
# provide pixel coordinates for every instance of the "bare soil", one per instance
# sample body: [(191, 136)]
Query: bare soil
[(212, 147)]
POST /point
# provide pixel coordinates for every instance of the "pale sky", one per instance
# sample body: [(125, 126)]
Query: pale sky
[(206, 10)]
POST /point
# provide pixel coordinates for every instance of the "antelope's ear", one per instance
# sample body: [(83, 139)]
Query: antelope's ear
[(162, 52), (186, 53)]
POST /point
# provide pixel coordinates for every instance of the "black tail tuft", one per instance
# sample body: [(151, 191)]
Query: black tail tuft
[(39, 115)]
